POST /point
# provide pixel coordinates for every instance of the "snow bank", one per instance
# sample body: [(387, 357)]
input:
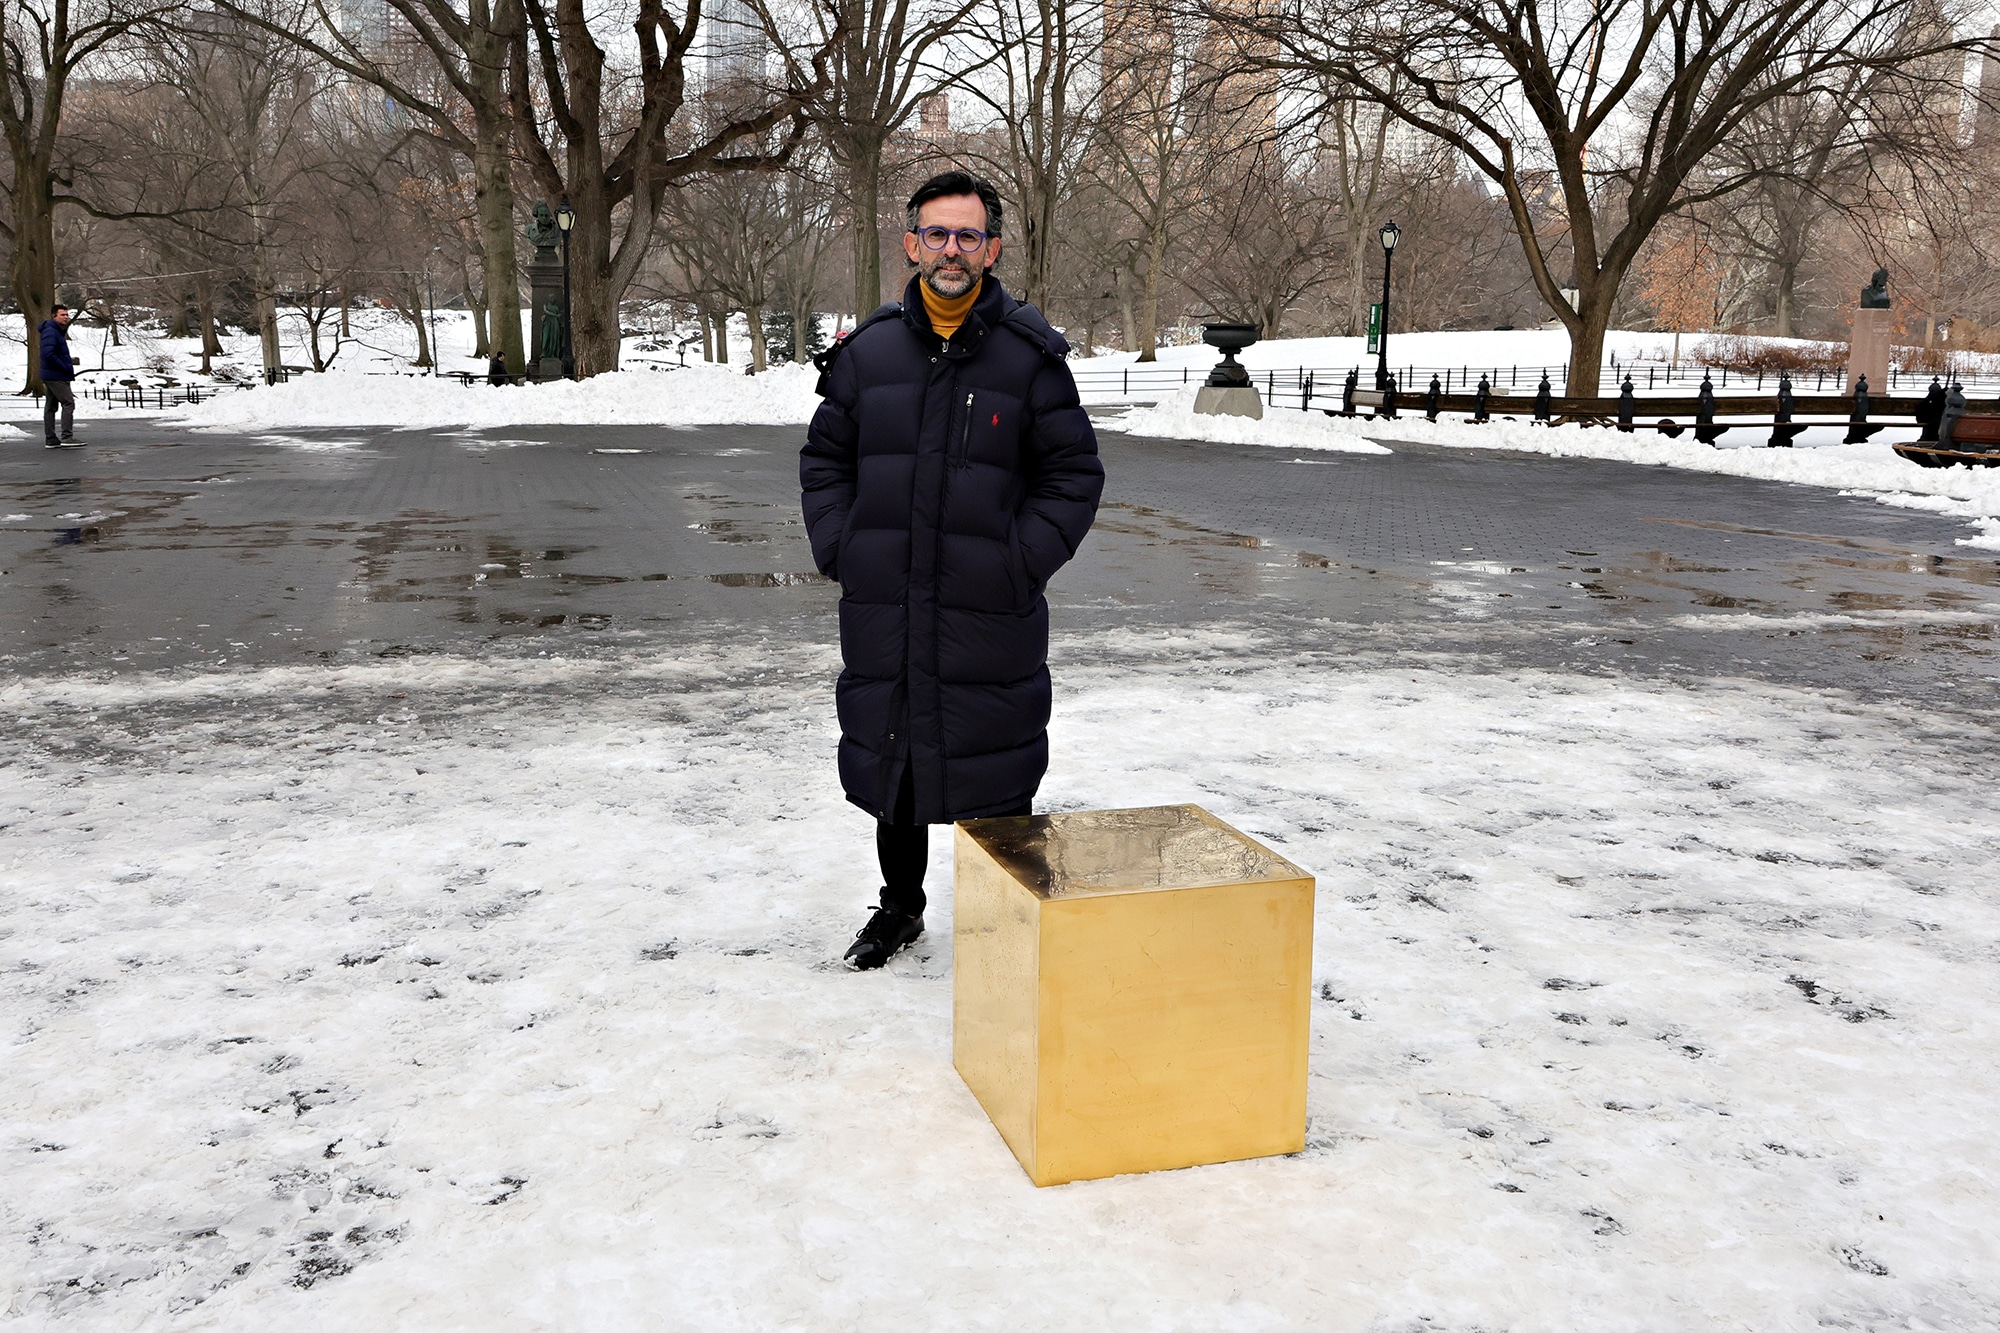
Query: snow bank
[(1176, 420), (700, 395), (456, 994), (1872, 470)]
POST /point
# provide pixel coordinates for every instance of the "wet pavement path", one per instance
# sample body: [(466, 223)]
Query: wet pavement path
[(157, 546)]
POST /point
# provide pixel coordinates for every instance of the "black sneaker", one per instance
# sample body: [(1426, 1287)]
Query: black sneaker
[(882, 938)]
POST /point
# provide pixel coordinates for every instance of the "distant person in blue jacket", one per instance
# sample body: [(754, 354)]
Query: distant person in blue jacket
[(57, 372)]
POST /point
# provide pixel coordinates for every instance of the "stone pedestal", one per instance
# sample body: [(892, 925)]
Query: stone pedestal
[(1132, 990), (1231, 401), (545, 287), (1868, 352)]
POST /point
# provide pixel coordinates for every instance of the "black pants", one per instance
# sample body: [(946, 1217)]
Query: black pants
[(903, 846)]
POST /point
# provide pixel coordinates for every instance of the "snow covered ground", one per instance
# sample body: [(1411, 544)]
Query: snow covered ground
[(1818, 459), (502, 994), (699, 395), (372, 382)]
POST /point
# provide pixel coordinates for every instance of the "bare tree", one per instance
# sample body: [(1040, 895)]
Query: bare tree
[(459, 75), (251, 96), (1165, 122), (45, 46), (880, 74), (1805, 157), (804, 216), (1622, 102), (1356, 135), (1042, 93), (729, 230), (1263, 240), (619, 150)]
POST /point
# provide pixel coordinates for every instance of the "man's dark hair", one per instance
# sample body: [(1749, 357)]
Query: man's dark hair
[(58, 306), (949, 185)]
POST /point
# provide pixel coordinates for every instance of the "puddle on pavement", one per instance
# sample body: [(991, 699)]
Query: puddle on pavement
[(1192, 534), (1894, 558), (766, 580), (729, 530), (586, 620), (306, 444)]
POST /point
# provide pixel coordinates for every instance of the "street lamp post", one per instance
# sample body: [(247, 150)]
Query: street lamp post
[(1390, 234), (565, 219)]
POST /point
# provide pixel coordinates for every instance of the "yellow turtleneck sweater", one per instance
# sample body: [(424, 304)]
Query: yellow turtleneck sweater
[(948, 312)]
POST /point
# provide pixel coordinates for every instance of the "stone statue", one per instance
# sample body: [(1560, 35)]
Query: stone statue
[(1875, 296), (552, 329), (544, 233)]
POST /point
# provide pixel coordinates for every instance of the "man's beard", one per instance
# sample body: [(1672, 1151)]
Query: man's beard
[(965, 279)]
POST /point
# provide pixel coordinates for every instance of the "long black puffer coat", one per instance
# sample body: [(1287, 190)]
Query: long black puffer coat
[(944, 485)]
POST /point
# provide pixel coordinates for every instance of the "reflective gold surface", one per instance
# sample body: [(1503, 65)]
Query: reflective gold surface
[(1126, 851), (1132, 990)]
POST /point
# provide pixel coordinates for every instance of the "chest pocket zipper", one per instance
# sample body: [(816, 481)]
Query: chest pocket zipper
[(964, 455)]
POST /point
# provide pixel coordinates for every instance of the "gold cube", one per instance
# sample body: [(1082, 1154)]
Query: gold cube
[(1132, 990)]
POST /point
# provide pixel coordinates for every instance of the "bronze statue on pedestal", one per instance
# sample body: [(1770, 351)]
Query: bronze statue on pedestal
[(1875, 296)]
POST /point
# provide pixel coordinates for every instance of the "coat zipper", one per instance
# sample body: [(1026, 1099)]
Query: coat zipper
[(965, 436)]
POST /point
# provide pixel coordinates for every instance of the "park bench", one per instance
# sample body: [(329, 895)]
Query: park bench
[(1973, 439), (1671, 416)]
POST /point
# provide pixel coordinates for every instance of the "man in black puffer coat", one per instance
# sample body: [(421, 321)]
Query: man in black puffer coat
[(948, 474)]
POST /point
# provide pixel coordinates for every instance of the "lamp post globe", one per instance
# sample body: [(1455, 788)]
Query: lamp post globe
[(566, 219), (1390, 234)]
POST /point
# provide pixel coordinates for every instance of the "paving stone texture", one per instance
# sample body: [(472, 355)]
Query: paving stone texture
[(156, 546)]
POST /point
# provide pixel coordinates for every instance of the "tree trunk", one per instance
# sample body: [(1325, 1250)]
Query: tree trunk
[(178, 325), (594, 325), (211, 343), (755, 314), (312, 341), (33, 269), (493, 187), (803, 324), (267, 330), (1586, 341), (1149, 295), (1357, 280), (1788, 277), (721, 319), (346, 300), (865, 188), (707, 322), (482, 346), (414, 312)]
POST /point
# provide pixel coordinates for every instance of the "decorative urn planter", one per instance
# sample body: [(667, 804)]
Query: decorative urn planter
[(1229, 339), (1228, 391)]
